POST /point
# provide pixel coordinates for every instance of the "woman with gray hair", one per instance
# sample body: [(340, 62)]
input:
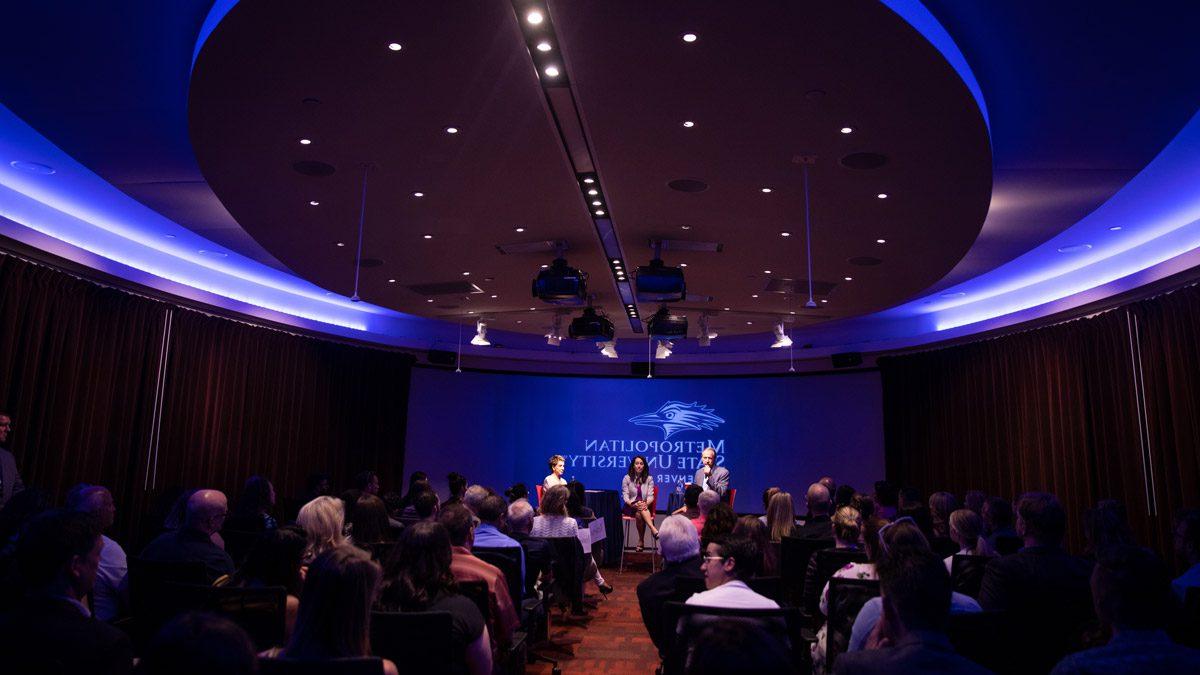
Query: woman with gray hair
[(680, 545)]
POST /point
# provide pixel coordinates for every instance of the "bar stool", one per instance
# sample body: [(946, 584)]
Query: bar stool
[(626, 521)]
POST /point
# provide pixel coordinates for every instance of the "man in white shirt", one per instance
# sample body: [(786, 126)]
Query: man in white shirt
[(109, 592), (728, 562)]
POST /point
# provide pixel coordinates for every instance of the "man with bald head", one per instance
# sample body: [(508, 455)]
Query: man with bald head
[(108, 593), (206, 511), (820, 505)]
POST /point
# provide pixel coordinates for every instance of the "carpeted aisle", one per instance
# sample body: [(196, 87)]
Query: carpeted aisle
[(611, 640)]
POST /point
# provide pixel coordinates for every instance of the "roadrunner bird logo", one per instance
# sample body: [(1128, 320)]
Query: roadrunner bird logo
[(676, 416)]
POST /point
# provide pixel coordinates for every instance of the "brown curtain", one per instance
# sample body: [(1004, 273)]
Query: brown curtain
[(79, 373), (1060, 409), (78, 362)]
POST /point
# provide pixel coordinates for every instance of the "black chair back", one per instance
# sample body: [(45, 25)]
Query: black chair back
[(686, 587), (420, 641), (966, 573), (509, 562), (943, 547), (568, 571), (771, 587), (367, 665), (261, 612), (1008, 544), (794, 553), (239, 543), (828, 561), (988, 639), (846, 599), (686, 621), (477, 592), (150, 602)]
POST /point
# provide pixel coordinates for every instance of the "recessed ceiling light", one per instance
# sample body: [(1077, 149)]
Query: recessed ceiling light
[(685, 227), (689, 124), (749, 323), (766, 271), (593, 192), (518, 229), (544, 46), (452, 130), (599, 212), (881, 241), (596, 203), (314, 203), (616, 261), (848, 278), (846, 130), (495, 296), (791, 312), (466, 274), (395, 46), (519, 321), (589, 181), (391, 281), (532, 309), (428, 236), (1114, 228), (341, 243), (824, 301), (471, 311), (754, 295), (535, 17), (881, 195), (305, 141), (689, 37), (418, 194), (766, 190), (545, 266), (785, 234), (725, 308), (551, 71), (429, 300), (683, 264)]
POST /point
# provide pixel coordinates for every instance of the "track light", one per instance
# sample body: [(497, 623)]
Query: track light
[(706, 335), (664, 349), (609, 348), (480, 338), (781, 338), (554, 337)]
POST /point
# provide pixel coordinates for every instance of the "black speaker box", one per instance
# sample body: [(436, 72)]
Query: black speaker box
[(847, 360)]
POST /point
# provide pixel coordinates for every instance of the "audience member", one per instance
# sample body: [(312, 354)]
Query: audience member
[(749, 526), (941, 505), (458, 487), (910, 637), (51, 628), (691, 503), (680, 547), (335, 609), (473, 497), (10, 477), (767, 494), (1187, 548), (517, 492), (554, 522), (109, 594), (15, 515), (368, 520), (781, 518), (732, 647), (367, 482), (998, 521), (843, 497), (1106, 526), (577, 503), (418, 578), (489, 533), (966, 530), (727, 565), (862, 571), (317, 485), (324, 523), (846, 529), (460, 525), (974, 500), (887, 499), (1132, 597), (817, 524), (206, 511), (252, 513), (539, 553), (196, 643), (828, 483), (898, 540), (277, 559), (1041, 583), (418, 481), (704, 505), (718, 524), (865, 505)]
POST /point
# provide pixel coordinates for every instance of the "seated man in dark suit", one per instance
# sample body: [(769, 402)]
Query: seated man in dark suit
[(206, 511), (680, 544), (52, 630), (1041, 583), (539, 553), (910, 638), (1132, 596), (820, 506)]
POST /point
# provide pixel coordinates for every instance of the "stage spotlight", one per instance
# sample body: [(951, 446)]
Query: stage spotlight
[(609, 348), (781, 338), (664, 349), (480, 338)]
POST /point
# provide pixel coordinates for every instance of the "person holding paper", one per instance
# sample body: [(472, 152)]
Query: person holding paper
[(712, 477)]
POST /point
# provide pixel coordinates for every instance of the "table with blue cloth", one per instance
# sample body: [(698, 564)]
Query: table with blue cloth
[(674, 503), (607, 505)]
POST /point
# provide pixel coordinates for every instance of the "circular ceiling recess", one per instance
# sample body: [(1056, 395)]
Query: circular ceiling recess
[(865, 261), (314, 169), (864, 161), (688, 185)]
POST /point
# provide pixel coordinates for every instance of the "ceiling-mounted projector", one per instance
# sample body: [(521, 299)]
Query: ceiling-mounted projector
[(560, 282), (666, 325), (658, 283), (591, 326)]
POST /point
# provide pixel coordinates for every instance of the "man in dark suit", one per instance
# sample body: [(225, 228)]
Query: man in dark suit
[(818, 525), (712, 477), (910, 637), (1041, 583), (51, 629), (10, 478), (680, 544), (206, 511)]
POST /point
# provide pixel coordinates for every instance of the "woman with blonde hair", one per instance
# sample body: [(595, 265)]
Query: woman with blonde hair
[(558, 466), (966, 529), (324, 521), (553, 521), (781, 519)]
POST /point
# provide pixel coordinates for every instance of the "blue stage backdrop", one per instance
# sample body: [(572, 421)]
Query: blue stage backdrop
[(786, 431)]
